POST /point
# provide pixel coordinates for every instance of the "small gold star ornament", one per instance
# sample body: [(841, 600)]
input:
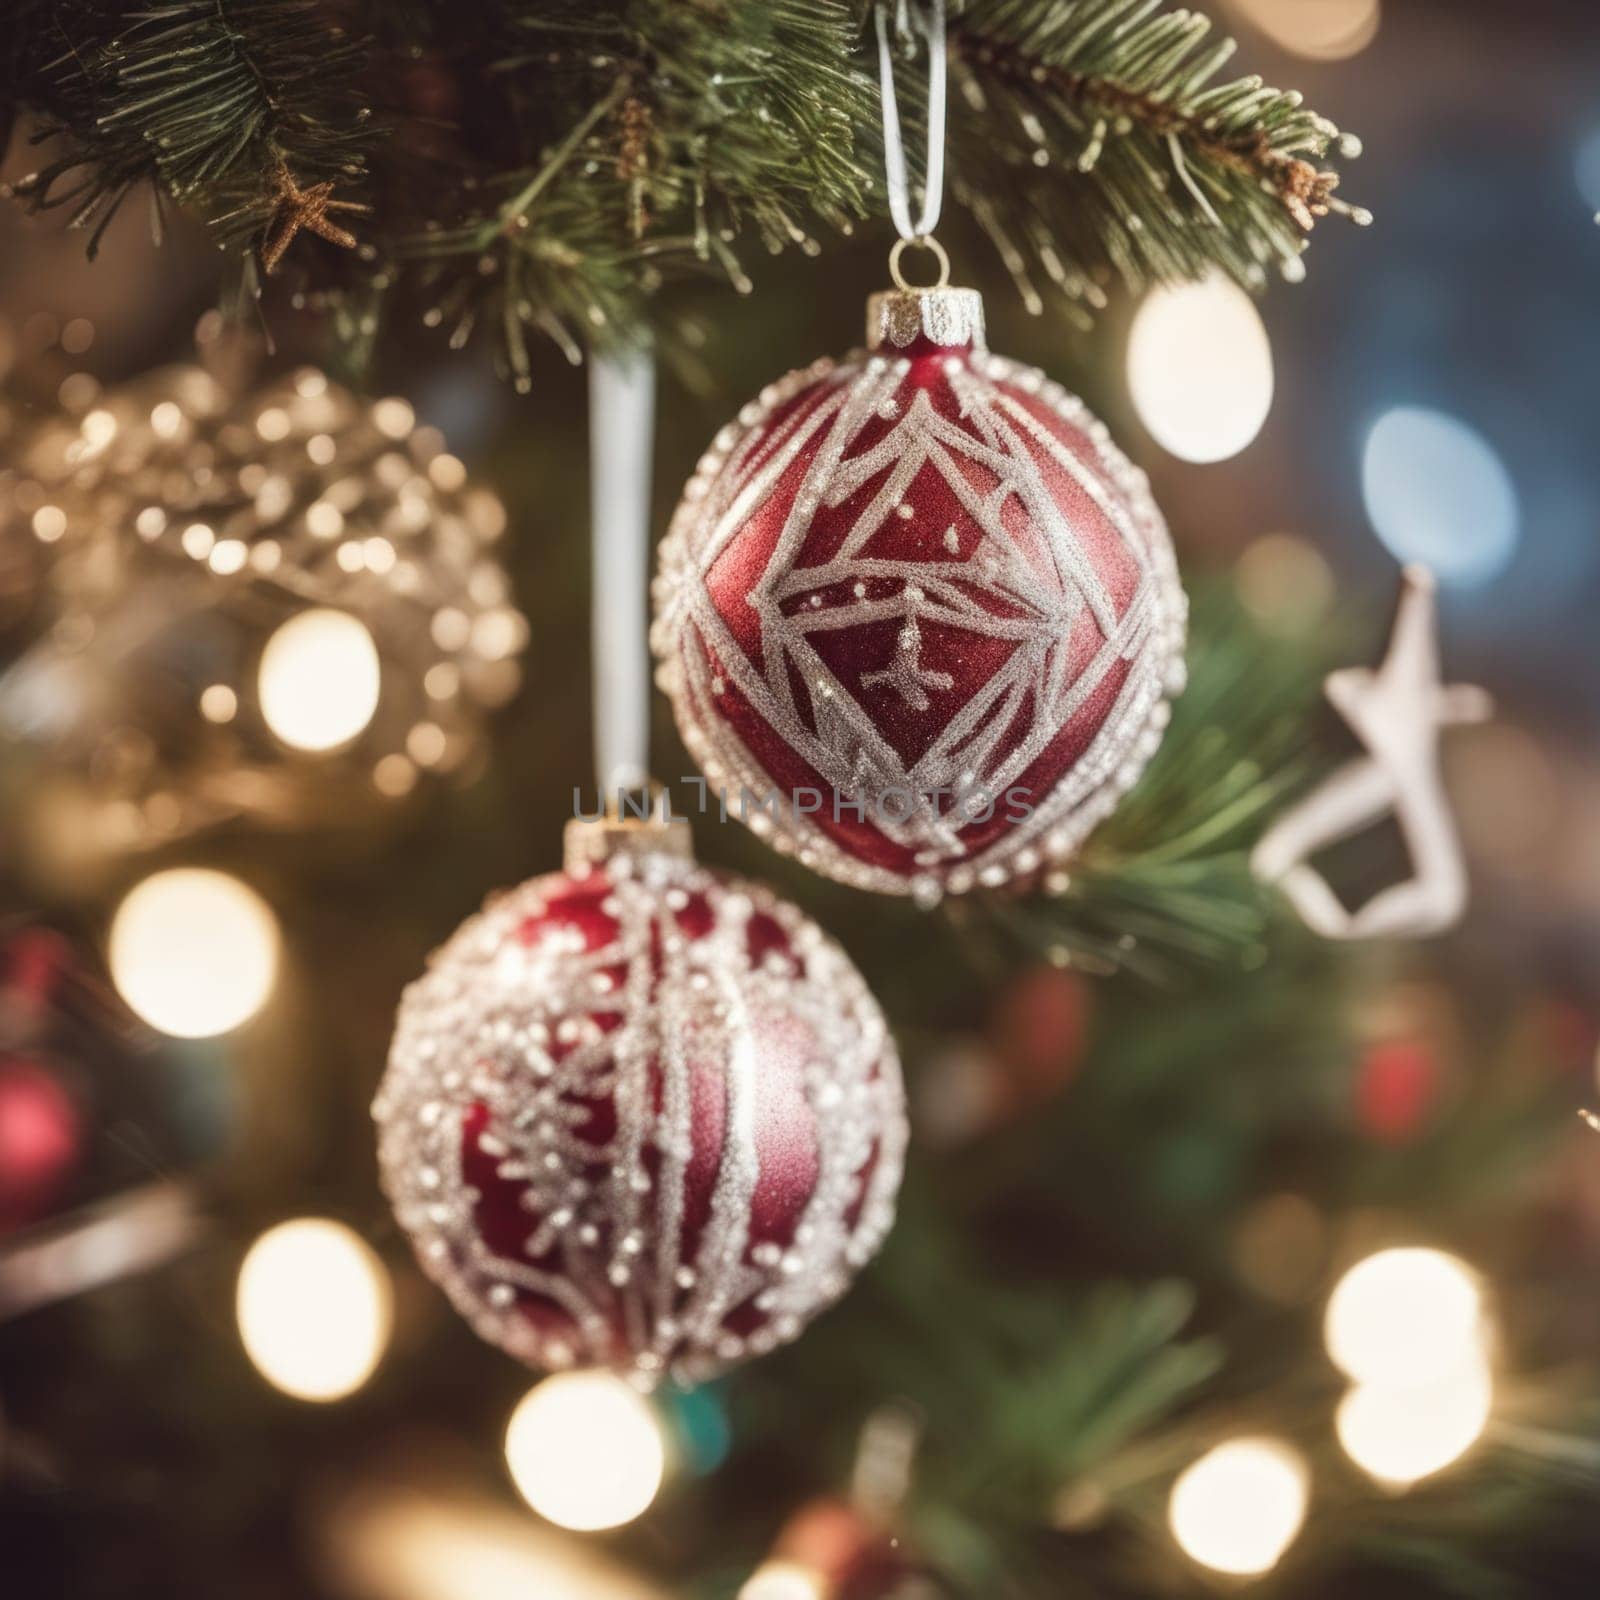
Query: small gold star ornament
[(306, 208)]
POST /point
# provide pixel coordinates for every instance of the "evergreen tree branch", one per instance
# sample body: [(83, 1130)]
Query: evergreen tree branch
[(1165, 883), (1094, 142), (544, 166), (209, 103)]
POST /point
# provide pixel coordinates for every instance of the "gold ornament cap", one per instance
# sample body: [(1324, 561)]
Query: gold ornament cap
[(936, 312), (900, 317), (647, 828)]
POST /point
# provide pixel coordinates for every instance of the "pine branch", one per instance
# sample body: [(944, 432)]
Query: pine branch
[(1092, 142), (1165, 883), (545, 166), (209, 103)]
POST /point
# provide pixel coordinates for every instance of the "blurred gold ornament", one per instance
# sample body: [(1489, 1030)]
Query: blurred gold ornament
[(281, 604)]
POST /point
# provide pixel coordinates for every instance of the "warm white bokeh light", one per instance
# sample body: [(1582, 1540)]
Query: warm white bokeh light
[(783, 1580), (314, 1308), (585, 1451), (1200, 369), (194, 952), (1401, 1435), (1404, 1316), (1240, 1506), (447, 1544), (1437, 492), (319, 680), (1322, 30)]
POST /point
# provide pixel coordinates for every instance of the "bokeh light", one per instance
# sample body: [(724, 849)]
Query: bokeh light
[(1399, 1436), (1200, 369), (585, 1451), (314, 1308), (783, 1580), (319, 680), (1403, 1316), (1321, 30), (1285, 583), (1436, 492), (1240, 1506), (39, 1137), (194, 952), (1586, 168), (447, 1543)]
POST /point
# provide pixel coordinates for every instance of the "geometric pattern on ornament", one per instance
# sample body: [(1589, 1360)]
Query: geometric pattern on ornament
[(847, 750), (480, 1030)]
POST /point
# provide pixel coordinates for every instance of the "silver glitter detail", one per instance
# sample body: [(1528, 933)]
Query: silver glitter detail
[(604, 1276), (744, 468), (900, 317)]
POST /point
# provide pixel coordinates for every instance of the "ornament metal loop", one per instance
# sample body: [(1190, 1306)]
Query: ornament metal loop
[(923, 241)]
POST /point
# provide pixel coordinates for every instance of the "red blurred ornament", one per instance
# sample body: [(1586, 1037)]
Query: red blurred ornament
[(921, 599), (40, 1138), (640, 1114), (1397, 1089), (1040, 1027), (34, 961)]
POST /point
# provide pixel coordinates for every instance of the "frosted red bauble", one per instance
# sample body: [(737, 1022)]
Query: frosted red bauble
[(917, 615), (641, 1115)]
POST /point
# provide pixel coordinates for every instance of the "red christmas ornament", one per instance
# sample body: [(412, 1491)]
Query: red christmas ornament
[(40, 1140), (641, 1115), (1040, 1028), (1397, 1088), (919, 604)]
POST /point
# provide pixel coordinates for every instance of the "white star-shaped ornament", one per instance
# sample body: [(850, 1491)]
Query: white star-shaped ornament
[(1397, 712)]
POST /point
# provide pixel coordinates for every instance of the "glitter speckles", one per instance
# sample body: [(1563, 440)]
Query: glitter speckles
[(946, 593), (659, 1136)]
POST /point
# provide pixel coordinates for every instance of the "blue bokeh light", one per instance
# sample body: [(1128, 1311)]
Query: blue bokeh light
[(1586, 165), (1437, 492)]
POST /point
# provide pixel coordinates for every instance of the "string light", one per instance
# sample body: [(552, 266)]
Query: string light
[(783, 1580), (1400, 1435), (319, 680), (1200, 369), (1321, 30), (585, 1451), (1403, 1316), (1409, 1326), (314, 1308), (194, 952), (405, 1543), (1240, 1506)]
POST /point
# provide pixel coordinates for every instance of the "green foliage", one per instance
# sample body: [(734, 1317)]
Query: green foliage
[(1166, 883), (203, 102), (545, 167), (1096, 142)]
